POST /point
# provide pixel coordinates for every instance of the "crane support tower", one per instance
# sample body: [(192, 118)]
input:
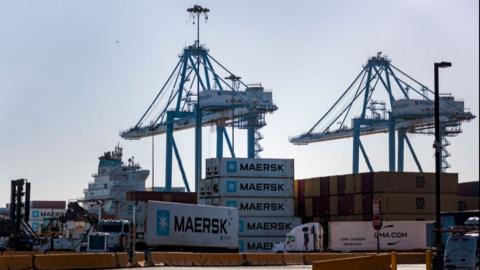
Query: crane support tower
[(200, 91), (409, 108)]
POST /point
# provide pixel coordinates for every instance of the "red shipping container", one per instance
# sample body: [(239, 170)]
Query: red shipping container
[(48, 204), (178, 197), (341, 185)]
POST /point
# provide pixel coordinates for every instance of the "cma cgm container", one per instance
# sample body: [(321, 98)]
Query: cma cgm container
[(249, 187), (267, 226), (395, 235), (190, 227), (258, 244), (255, 207), (250, 167)]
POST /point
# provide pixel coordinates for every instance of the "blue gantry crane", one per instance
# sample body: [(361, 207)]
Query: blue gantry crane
[(200, 91), (409, 108)]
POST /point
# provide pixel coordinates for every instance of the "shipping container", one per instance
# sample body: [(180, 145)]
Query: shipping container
[(267, 226), (308, 207), (186, 225), (295, 189), (48, 204), (384, 217), (38, 214), (267, 207), (468, 203), (468, 189), (333, 185), (395, 235), (248, 187), (406, 182), (250, 167), (258, 244), (414, 203), (333, 205), (178, 197), (308, 188)]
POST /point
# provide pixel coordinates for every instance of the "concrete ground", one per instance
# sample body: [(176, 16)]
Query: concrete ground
[(303, 267)]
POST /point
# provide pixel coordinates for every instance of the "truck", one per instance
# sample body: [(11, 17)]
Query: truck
[(303, 238), (112, 235), (183, 227), (461, 248)]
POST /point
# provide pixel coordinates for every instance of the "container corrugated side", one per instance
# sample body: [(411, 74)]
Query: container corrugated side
[(266, 207), (258, 244), (175, 224), (267, 226), (248, 187), (250, 167)]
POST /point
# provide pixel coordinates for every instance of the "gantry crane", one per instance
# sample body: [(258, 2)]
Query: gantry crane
[(196, 94), (410, 109)]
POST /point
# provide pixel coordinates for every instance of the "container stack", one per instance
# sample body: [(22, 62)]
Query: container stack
[(468, 194), (42, 210), (404, 196), (261, 189)]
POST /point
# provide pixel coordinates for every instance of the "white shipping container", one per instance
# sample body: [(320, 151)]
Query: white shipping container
[(267, 226), (395, 235), (258, 244), (250, 167), (190, 225), (255, 207), (39, 214), (248, 187)]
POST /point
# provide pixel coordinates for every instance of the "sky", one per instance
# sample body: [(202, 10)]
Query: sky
[(73, 74)]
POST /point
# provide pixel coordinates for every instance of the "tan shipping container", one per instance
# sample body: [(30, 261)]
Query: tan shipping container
[(309, 188), (350, 183), (316, 187), (413, 203), (333, 205), (308, 207), (333, 185), (358, 209), (420, 217), (408, 182)]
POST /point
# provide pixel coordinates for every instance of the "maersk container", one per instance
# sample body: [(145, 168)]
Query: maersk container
[(248, 187), (187, 226), (267, 226), (394, 235), (256, 207), (250, 167), (258, 244)]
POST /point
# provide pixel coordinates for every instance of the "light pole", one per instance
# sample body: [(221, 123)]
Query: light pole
[(438, 167)]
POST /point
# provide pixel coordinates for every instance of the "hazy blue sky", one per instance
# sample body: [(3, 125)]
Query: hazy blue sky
[(67, 87)]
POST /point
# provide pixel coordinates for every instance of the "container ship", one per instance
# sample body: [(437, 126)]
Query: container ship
[(111, 182)]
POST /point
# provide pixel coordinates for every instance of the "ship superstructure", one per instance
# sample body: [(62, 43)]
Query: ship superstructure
[(111, 183)]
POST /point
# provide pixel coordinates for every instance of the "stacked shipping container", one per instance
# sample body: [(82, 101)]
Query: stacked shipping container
[(403, 195), (261, 189), (468, 196)]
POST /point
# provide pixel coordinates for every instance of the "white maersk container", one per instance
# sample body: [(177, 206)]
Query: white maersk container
[(267, 226), (255, 207), (395, 235), (258, 244), (189, 225), (250, 167), (248, 187)]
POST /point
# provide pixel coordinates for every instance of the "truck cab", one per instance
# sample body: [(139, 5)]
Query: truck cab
[(303, 238), (461, 248), (112, 235)]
